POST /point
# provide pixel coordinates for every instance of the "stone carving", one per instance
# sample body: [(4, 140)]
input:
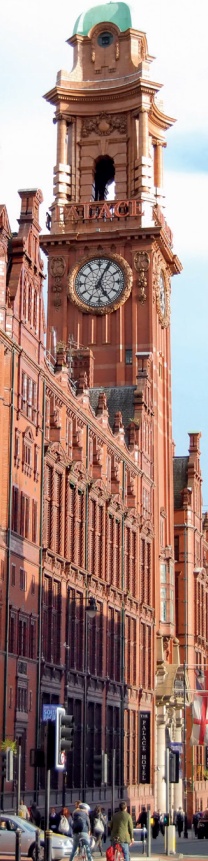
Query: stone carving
[(141, 264), (159, 267), (104, 124)]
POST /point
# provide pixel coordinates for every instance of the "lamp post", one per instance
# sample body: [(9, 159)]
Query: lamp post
[(90, 611)]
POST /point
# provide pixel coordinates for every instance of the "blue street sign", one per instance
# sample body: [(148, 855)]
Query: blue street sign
[(49, 712)]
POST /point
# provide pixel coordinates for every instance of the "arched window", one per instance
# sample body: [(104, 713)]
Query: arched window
[(104, 175)]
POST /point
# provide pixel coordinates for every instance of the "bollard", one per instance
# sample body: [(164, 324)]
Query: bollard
[(48, 845), (37, 845), (143, 840), (148, 833), (18, 845)]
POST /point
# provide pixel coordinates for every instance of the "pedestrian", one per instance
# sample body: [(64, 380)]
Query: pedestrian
[(105, 820), (142, 818), (155, 825), (81, 828), (64, 825), (23, 810), (196, 817), (98, 827), (121, 829), (35, 816), (53, 820), (161, 822), (179, 821), (142, 822)]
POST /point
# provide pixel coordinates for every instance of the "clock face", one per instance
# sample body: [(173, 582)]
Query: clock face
[(162, 295), (100, 284)]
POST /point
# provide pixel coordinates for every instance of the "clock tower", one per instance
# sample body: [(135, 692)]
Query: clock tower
[(110, 264), (109, 248)]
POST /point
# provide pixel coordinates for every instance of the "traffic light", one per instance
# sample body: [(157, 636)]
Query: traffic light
[(4, 764), (166, 819), (97, 768), (7, 764), (174, 766), (64, 736)]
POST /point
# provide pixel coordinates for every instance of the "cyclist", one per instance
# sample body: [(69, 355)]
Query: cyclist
[(121, 829), (81, 829)]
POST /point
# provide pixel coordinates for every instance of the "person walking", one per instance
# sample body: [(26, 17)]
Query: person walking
[(81, 828), (121, 829), (98, 827), (35, 816), (180, 821), (53, 820), (23, 810), (142, 818)]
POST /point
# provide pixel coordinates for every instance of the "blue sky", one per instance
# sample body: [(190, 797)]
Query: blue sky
[(32, 50)]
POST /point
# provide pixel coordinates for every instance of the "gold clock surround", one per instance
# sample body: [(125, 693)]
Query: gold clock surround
[(110, 307), (163, 311)]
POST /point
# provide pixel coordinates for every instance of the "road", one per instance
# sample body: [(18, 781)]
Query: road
[(189, 847)]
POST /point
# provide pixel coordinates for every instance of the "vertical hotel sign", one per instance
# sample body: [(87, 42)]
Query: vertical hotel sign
[(144, 747)]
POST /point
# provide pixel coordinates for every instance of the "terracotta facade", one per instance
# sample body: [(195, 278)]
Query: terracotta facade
[(87, 506)]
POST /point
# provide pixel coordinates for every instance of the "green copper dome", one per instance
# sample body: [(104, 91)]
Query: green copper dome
[(116, 13)]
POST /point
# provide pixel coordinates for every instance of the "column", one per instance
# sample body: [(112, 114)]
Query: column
[(143, 134), (62, 170), (158, 164)]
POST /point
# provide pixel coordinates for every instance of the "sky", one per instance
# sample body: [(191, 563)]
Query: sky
[(32, 50)]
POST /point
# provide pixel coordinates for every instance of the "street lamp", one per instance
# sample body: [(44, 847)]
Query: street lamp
[(90, 611)]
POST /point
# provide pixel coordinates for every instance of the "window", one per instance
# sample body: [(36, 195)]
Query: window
[(105, 39), (47, 418), (167, 596), (114, 644), (15, 509), (130, 650), (130, 560), (71, 519), (128, 357), (32, 639), (145, 572), (48, 525), (22, 637), (17, 448), (29, 396), (34, 520), (57, 511), (35, 311), (23, 580), (13, 575), (51, 619), (113, 550), (24, 516), (12, 632), (22, 699), (145, 656), (69, 437), (27, 456)]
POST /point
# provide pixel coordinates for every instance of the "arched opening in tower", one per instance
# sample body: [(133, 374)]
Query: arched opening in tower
[(104, 175)]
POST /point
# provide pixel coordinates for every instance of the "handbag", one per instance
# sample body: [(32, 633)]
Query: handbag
[(98, 826)]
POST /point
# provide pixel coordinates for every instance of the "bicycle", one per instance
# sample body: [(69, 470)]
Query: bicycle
[(118, 851), (83, 850)]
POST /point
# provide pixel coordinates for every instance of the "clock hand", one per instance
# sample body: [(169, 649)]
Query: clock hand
[(99, 282)]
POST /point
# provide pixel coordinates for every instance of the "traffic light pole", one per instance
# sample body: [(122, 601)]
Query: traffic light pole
[(48, 835), (47, 779), (167, 776)]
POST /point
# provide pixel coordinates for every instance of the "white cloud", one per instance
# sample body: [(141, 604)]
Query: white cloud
[(186, 213)]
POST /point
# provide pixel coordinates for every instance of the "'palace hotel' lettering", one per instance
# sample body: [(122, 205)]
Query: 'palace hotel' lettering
[(93, 211)]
